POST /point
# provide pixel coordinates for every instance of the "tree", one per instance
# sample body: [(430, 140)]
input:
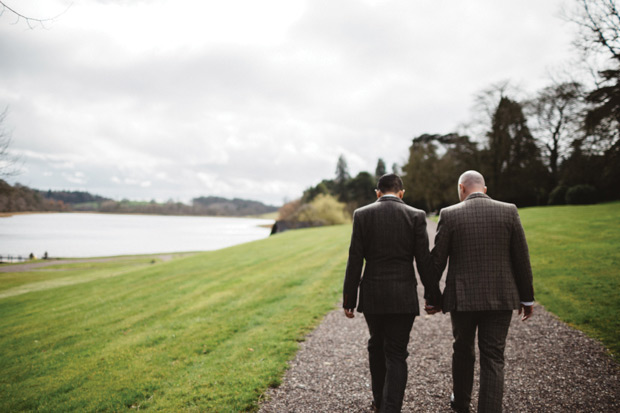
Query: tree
[(396, 169), (484, 108), (380, 170), (312, 192), (32, 22), (360, 190), (9, 164), (599, 36), (430, 178), (513, 165), (420, 177), (557, 114), (342, 177), (598, 22)]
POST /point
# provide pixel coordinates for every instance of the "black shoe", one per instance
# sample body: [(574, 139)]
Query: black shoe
[(456, 408), (374, 407)]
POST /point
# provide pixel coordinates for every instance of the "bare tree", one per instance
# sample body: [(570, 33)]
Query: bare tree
[(32, 22), (599, 26), (9, 164), (599, 37), (485, 105), (556, 114)]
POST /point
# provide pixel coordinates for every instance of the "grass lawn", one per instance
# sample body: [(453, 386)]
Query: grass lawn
[(205, 333), (575, 254)]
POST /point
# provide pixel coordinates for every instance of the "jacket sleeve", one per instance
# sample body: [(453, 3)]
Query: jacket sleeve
[(423, 262), (520, 258), (441, 250), (355, 264)]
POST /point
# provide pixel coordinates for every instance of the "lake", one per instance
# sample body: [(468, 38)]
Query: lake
[(77, 235)]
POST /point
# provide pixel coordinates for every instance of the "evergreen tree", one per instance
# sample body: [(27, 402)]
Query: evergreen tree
[(380, 170), (515, 172), (342, 177), (430, 178), (360, 190)]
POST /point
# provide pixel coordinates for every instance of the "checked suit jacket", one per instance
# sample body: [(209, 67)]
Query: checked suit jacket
[(387, 235), (489, 265)]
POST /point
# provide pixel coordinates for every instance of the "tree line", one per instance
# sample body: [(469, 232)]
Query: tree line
[(20, 198), (561, 145)]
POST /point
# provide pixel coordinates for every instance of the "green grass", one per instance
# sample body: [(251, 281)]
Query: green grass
[(57, 275), (205, 333), (575, 254)]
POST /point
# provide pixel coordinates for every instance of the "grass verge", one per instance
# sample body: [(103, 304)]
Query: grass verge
[(205, 333), (575, 253)]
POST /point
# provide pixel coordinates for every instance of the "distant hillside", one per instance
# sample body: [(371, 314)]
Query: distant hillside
[(213, 205), (20, 198), (73, 197)]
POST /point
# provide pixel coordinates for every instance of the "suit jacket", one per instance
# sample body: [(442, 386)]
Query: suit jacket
[(387, 235), (489, 259)]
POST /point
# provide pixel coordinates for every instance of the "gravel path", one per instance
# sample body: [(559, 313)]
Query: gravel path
[(550, 367)]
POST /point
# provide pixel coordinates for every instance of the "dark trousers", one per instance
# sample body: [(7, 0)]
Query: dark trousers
[(492, 331), (387, 353)]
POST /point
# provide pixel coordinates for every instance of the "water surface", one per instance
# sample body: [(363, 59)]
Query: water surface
[(94, 235)]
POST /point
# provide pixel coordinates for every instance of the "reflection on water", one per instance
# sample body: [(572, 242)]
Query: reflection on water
[(92, 235)]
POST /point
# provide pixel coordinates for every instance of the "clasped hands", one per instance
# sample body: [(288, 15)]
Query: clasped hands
[(431, 309)]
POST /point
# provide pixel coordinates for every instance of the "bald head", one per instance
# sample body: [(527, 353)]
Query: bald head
[(470, 182)]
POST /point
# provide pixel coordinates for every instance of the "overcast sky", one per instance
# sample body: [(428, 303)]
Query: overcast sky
[(159, 99)]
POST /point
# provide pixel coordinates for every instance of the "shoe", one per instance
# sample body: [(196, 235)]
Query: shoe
[(374, 407), (456, 408)]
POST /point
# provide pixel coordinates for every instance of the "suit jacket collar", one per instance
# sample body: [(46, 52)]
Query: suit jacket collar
[(477, 195), (390, 199)]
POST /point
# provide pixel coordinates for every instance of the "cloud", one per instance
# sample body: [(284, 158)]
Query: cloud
[(253, 99)]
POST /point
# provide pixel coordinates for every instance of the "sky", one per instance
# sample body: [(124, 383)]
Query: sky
[(162, 99)]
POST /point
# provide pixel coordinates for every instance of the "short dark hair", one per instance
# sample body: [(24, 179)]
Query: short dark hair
[(390, 183)]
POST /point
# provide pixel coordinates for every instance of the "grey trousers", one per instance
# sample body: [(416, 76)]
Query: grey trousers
[(492, 329)]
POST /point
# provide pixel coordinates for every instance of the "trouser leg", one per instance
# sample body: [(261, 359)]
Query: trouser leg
[(376, 356), (492, 332), (464, 356), (395, 330)]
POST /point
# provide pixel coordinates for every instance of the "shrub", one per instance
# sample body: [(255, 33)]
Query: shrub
[(558, 195), (581, 195), (324, 209)]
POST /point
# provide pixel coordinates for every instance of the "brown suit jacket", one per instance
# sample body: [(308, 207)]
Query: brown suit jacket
[(387, 235), (489, 259)]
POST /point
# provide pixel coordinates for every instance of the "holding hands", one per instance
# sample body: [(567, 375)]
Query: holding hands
[(431, 309)]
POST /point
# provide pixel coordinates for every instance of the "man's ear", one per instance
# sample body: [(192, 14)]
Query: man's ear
[(485, 189), (401, 193)]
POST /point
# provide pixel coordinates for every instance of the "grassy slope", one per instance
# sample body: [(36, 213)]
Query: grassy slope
[(212, 331), (205, 333), (575, 253)]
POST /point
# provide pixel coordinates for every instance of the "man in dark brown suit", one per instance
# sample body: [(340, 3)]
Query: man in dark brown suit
[(388, 234), (489, 276)]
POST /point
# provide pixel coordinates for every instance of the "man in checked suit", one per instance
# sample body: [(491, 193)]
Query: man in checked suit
[(489, 276), (388, 234)]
